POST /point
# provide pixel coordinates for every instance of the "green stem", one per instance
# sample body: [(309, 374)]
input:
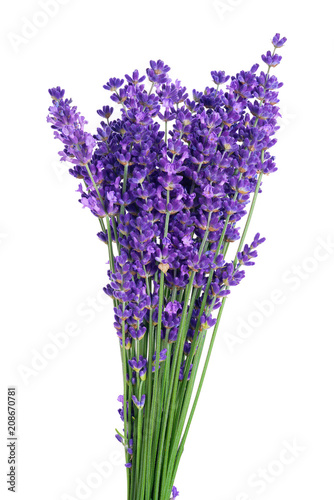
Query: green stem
[(131, 476), (139, 437), (111, 254), (124, 363), (145, 483), (114, 226), (186, 397), (250, 214), (125, 179), (154, 418), (155, 403), (163, 448), (181, 447), (151, 89)]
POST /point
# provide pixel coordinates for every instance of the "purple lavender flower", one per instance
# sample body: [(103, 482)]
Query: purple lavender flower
[(135, 79), (113, 84), (181, 375), (175, 493), (162, 357), (139, 404), (57, 93), (139, 364), (158, 72), (172, 336), (271, 59), (257, 241), (68, 126), (278, 41), (105, 112), (219, 77)]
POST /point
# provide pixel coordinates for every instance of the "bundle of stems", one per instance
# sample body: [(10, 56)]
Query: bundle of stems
[(168, 199)]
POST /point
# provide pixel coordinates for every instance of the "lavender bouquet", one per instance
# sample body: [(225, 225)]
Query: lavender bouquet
[(169, 181)]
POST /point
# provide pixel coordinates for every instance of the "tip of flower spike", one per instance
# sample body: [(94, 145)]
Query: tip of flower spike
[(257, 240), (135, 79), (219, 77), (277, 41), (113, 84), (157, 73), (56, 93)]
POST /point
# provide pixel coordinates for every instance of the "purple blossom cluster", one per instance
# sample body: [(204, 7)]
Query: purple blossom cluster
[(172, 176)]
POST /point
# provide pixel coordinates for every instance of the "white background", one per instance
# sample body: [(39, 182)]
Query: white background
[(271, 377)]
